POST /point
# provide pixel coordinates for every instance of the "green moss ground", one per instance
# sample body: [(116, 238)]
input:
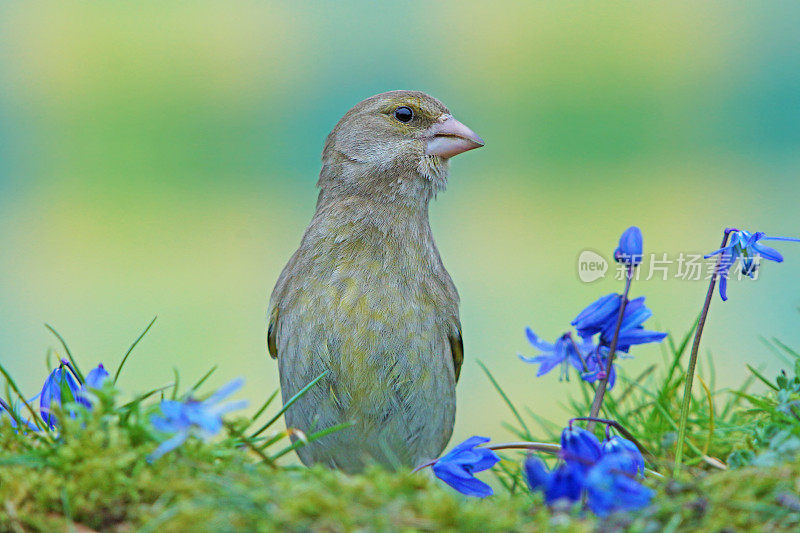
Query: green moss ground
[(92, 475), (99, 480)]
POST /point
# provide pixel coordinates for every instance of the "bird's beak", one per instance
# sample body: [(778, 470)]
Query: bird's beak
[(448, 137)]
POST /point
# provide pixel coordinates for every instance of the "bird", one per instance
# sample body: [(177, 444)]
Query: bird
[(365, 301)]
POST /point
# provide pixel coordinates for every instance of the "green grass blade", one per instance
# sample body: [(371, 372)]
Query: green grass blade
[(625, 393), (665, 414), (26, 459), (760, 403), (311, 438), (265, 405), (680, 350), (34, 415), (289, 403), (712, 372), (237, 435), (502, 480), (587, 398), (203, 379), (66, 349), (517, 432), (761, 377), (269, 440), (125, 358), (146, 395), (686, 338), (6, 406), (735, 399), (551, 429), (775, 351), (509, 480), (507, 400), (260, 411), (177, 383), (786, 349)]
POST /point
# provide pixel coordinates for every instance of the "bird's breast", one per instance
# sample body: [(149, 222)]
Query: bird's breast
[(391, 283), (374, 311)]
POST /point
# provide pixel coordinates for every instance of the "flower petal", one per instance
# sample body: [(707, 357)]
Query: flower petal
[(536, 473), (768, 253), (548, 363), (461, 480), (580, 446), (788, 239), (486, 459), (469, 444), (168, 445), (225, 391), (537, 341), (723, 288), (727, 249), (592, 319), (609, 488), (96, 377), (565, 484), (619, 445)]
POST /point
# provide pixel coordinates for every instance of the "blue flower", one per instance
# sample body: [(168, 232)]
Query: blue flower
[(629, 250), (194, 417), (563, 483), (611, 488), (59, 389), (726, 261), (596, 364), (596, 316), (624, 447), (580, 447), (96, 377), (536, 473), (562, 353), (632, 331), (605, 473), (457, 467), (601, 317), (94, 380), (745, 246)]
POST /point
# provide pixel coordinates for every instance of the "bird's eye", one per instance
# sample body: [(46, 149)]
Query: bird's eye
[(403, 114)]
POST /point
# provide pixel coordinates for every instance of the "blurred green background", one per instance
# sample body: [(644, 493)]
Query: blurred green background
[(161, 160)]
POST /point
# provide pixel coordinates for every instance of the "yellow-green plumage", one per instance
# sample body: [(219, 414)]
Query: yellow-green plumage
[(366, 297)]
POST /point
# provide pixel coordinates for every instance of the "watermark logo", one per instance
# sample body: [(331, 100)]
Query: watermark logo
[(685, 266), (591, 266)]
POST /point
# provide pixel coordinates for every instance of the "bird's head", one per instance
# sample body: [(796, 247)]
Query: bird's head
[(395, 147)]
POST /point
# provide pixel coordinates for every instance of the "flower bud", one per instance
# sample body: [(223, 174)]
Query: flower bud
[(630, 247), (580, 447), (618, 445), (59, 388)]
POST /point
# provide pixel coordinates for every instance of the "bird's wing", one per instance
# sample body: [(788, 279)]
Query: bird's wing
[(272, 332), (457, 350)]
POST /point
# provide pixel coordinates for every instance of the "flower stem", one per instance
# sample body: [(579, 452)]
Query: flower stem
[(600, 393), (687, 389)]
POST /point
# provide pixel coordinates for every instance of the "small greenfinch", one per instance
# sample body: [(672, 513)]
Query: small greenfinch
[(366, 297)]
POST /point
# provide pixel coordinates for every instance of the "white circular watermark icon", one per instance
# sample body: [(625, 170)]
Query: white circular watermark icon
[(591, 266)]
